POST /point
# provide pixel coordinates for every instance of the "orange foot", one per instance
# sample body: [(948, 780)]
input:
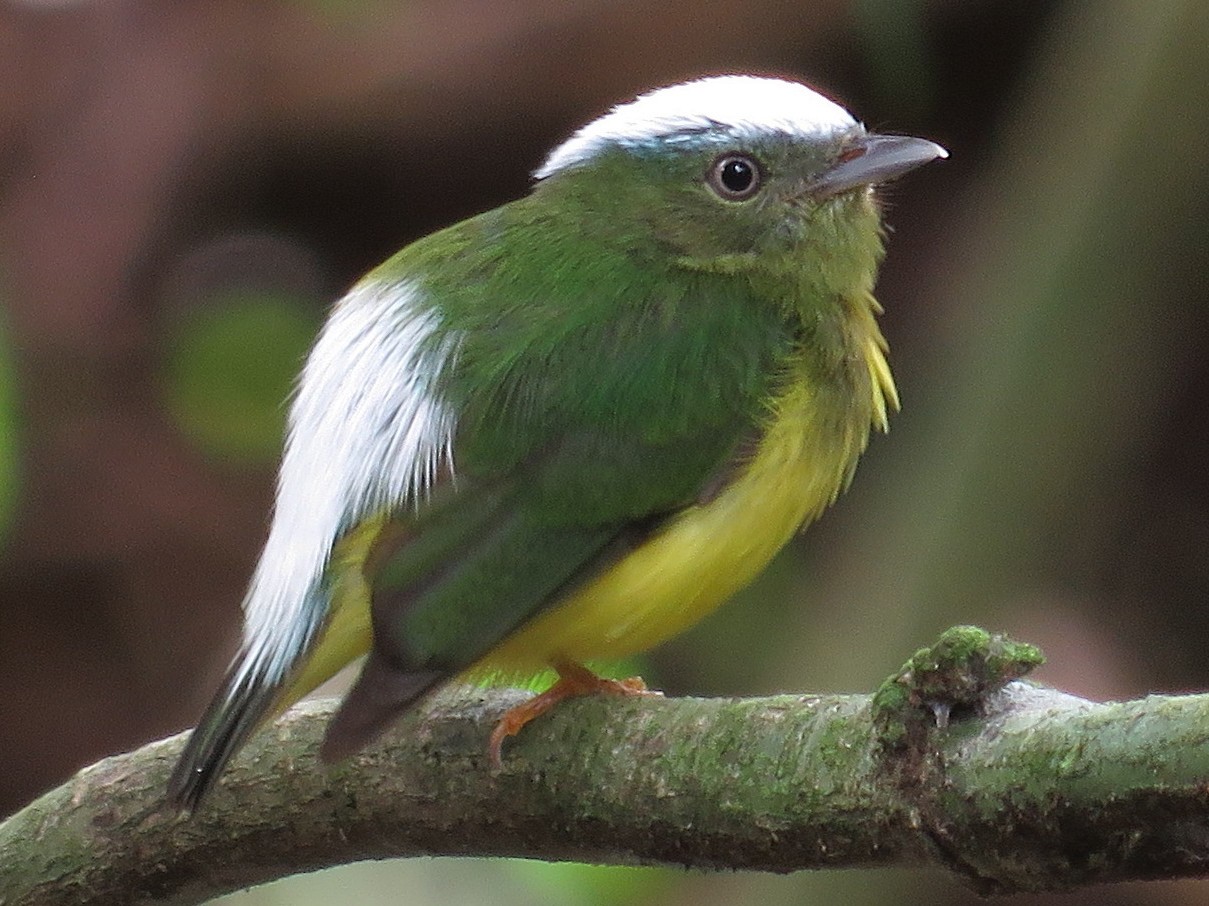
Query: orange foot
[(574, 680)]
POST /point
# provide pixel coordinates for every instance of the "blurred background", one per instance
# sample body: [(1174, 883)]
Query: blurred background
[(185, 187)]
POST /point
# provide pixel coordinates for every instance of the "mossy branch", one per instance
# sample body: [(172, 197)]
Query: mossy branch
[(952, 763)]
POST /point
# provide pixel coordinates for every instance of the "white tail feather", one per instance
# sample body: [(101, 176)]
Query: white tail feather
[(366, 432)]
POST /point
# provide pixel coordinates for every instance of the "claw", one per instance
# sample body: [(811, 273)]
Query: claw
[(574, 680)]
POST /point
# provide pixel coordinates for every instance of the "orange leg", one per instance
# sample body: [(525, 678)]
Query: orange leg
[(574, 680)]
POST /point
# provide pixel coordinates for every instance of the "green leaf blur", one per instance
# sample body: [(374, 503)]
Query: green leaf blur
[(8, 434), (230, 369), (577, 884)]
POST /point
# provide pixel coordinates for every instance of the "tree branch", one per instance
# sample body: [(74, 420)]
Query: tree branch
[(1014, 788)]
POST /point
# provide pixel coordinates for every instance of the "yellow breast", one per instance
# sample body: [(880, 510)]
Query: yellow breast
[(709, 551), (814, 434)]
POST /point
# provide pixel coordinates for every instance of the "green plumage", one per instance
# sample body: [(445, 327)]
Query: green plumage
[(616, 385), (619, 340), (651, 370)]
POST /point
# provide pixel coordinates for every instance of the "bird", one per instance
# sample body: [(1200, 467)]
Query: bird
[(566, 429)]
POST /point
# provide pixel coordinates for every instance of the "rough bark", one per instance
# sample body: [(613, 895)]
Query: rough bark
[(1013, 787)]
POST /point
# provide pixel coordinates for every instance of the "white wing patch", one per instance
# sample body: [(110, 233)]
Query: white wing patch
[(737, 106), (366, 432)]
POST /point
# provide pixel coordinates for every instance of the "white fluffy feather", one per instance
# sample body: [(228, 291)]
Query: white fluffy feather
[(366, 432), (736, 106)]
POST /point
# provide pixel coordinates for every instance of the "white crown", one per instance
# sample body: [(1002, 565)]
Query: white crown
[(741, 107)]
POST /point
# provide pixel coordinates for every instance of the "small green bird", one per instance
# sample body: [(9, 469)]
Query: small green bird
[(568, 428)]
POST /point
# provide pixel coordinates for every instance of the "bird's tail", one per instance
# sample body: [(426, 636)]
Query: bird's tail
[(246, 698), (273, 669), (285, 656)]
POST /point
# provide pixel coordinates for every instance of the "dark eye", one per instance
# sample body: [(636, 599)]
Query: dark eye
[(734, 177)]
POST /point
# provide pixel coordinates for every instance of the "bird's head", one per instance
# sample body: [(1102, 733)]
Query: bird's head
[(731, 169)]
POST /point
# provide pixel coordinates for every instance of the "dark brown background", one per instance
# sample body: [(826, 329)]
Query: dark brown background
[(164, 163)]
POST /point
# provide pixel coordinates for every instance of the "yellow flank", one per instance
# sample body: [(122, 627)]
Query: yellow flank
[(706, 553), (347, 634)]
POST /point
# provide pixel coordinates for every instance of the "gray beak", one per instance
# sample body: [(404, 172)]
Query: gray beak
[(875, 159)]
